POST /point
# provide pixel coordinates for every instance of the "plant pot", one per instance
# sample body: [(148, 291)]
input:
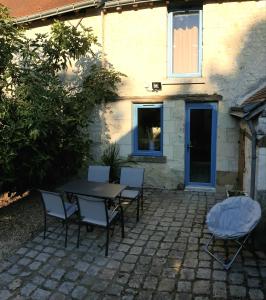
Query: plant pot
[(235, 193)]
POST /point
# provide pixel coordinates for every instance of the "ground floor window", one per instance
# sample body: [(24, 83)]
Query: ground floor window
[(148, 129)]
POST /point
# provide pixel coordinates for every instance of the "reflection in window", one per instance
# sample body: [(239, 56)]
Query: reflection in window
[(148, 129)]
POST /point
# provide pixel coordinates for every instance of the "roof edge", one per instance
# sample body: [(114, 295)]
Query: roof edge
[(115, 3), (82, 5), (247, 114), (58, 11)]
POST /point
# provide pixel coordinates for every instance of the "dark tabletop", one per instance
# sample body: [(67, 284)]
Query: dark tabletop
[(94, 189)]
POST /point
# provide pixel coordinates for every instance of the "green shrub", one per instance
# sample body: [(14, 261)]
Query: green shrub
[(43, 118), (111, 157)]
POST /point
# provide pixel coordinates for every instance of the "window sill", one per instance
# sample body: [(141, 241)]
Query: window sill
[(179, 80), (147, 159)]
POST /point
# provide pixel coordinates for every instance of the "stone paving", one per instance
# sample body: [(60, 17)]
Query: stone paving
[(161, 257)]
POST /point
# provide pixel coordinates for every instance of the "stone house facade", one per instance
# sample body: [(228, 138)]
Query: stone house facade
[(187, 63)]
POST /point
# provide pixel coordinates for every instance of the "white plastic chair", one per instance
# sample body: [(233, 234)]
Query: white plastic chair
[(232, 219), (94, 211), (55, 206), (133, 178), (98, 173)]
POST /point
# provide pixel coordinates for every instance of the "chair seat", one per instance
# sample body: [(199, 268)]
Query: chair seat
[(130, 194), (233, 217), (111, 215), (70, 210)]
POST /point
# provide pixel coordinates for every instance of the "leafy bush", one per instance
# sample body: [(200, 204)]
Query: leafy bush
[(43, 118)]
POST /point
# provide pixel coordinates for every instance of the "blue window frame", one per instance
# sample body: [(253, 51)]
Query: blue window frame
[(148, 129), (185, 43)]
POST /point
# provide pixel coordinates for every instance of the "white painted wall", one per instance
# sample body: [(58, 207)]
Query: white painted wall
[(261, 169)]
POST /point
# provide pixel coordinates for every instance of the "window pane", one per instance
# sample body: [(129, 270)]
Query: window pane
[(149, 129), (200, 142), (185, 43)]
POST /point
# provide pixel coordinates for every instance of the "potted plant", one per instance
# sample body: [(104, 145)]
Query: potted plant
[(111, 157), (232, 191)]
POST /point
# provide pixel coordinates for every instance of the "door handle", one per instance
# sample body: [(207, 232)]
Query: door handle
[(189, 146)]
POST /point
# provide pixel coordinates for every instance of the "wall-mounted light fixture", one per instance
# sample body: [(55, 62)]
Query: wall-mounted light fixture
[(156, 86)]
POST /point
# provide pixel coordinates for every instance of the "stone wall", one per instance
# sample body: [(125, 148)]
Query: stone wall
[(135, 42), (114, 123), (232, 64)]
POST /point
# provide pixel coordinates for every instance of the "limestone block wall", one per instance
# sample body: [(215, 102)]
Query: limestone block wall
[(135, 42), (233, 63), (171, 173), (118, 116)]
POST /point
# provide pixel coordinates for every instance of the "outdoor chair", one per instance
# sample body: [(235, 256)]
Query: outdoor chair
[(94, 211), (55, 206), (98, 173), (133, 178), (232, 219)]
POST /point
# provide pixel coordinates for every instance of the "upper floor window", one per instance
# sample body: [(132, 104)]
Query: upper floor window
[(148, 129), (185, 43)]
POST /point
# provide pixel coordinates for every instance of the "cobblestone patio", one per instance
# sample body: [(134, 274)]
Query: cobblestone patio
[(161, 257)]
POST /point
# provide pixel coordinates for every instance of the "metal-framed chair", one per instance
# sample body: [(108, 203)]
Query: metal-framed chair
[(133, 178), (232, 219), (98, 173), (55, 206), (94, 211)]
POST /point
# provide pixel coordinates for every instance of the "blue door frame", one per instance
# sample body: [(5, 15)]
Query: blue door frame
[(213, 108)]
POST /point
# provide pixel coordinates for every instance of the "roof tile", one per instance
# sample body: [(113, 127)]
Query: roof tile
[(24, 8), (259, 96)]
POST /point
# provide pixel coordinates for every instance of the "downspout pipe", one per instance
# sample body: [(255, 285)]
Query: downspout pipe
[(253, 157)]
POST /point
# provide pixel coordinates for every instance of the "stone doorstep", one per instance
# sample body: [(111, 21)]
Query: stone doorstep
[(191, 188)]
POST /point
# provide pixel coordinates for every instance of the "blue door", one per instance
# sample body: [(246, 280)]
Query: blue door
[(200, 144)]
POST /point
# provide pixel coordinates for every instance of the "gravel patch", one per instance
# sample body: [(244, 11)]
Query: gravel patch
[(20, 220)]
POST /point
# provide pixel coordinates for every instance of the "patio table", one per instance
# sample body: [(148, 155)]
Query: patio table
[(107, 191), (93, 189)]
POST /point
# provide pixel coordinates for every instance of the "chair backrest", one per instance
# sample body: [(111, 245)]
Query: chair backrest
[(93, 209), (53, 202), (132, 177), (98, 173)]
